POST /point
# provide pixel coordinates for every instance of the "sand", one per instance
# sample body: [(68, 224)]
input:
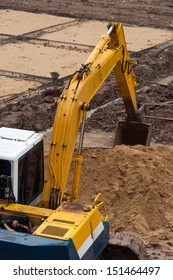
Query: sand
[(137, 186)]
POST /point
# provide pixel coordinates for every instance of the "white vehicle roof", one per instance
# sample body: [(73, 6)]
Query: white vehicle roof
[(16, 142)]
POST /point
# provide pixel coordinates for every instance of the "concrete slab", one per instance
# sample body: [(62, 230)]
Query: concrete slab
[(18, 22), (40, 60), (89, 32), (11, 86)]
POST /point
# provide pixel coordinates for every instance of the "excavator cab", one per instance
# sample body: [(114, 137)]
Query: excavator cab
[(132, 133)]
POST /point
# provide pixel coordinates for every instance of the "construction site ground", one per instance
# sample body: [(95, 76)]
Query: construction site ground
[(42, 43)]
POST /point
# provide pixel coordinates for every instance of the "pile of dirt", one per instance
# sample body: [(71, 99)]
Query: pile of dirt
[(137, 185)]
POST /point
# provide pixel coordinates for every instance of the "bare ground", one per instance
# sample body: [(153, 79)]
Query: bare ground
[(148, 13)]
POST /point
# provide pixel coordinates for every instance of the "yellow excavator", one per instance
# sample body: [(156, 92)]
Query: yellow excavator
[(38, 219)]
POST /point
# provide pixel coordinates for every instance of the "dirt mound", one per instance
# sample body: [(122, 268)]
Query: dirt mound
[(137, 185)]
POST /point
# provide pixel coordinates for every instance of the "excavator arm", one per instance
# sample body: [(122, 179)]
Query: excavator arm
[(109, 54), (67, 230)]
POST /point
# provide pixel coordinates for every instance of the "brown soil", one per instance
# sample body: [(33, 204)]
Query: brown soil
[(149, 13), (136, 182)]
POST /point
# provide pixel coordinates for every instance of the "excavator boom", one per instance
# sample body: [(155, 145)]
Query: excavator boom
[(109, 54), (61, 228)]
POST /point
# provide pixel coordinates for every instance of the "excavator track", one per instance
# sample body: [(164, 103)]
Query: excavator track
[(124, 246)]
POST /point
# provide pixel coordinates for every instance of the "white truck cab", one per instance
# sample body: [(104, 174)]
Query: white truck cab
[(21, 165)]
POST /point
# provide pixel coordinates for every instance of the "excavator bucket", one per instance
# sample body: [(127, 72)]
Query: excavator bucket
[(132, 133)]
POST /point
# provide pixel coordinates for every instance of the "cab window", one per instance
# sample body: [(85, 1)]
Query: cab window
[(31, 174), (5, 167)]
